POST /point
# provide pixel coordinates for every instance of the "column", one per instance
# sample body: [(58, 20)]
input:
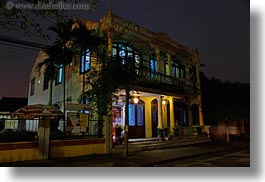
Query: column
[(172, 115), (169, 66), (201, 114), (160, 117), (109, 43), (44, 138), (190, 115), (108, 133)]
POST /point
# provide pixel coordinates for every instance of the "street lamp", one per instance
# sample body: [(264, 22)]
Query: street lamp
[(136, 99)]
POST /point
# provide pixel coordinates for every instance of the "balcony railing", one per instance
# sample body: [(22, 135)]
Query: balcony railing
[(147, 75)]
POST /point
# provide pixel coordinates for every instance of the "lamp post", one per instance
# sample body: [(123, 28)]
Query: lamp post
[(126, 122)]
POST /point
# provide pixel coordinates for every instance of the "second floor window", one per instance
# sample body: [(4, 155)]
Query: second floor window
[(178, 70), (59, 75), (153, 63), (85, 61), (46, 82), (32, 86), (126, 52)]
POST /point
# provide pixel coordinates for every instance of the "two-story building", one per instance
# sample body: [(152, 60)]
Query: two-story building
[(168, 80)]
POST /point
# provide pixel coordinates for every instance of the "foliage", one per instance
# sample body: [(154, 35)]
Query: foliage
[(166, 131), (9, 135), (28, 20), (113, 74), (224, 100)]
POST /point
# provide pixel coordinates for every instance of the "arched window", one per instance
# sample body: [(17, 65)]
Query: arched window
[(153, 66), (124, 52), (85, 61), (84, 100), (178, 70)]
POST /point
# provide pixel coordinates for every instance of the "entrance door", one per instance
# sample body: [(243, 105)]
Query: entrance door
[(181, 114), (154, 117), (136, 120)]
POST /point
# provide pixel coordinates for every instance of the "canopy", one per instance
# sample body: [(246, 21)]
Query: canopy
[(37, 111)]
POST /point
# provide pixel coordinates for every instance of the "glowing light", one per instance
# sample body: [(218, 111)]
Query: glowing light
[(135, 100)]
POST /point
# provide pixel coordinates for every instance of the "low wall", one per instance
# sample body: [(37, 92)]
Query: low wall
[(73, 148), (26, 151), (18, 151)]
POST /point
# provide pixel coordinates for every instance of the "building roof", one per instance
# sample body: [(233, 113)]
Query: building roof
[(11, 104)]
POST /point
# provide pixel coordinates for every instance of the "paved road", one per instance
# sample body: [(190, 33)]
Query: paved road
[(223, 159), (210, 154)]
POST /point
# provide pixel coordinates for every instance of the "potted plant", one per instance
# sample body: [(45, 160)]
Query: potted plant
[(160, 133), (176, 131), (166, 132)]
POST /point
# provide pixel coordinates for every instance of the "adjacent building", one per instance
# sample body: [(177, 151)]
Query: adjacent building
[(8, 105), (168, 82)]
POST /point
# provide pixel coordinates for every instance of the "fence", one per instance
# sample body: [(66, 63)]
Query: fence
[(18, 130)]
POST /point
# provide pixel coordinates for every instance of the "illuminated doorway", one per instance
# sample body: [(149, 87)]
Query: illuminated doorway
[(154, 117), (136, 120)]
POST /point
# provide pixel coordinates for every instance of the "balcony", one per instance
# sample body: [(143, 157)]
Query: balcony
[(159, 81)]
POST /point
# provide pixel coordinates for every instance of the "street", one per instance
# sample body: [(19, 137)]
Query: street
[(225, 159), (199, 155)]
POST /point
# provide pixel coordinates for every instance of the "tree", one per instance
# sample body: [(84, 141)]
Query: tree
[(224, 100), (58, 53)]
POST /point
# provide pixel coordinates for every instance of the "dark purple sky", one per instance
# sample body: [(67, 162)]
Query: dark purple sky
[(219, 29)]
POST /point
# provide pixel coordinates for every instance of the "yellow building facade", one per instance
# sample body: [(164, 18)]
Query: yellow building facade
[(168, 79)]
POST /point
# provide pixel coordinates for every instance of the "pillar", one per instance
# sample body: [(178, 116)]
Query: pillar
[(172, 115), (108, 133), (109, 53), (190, 115), (201, 115), (169, 60), (160, 116), (44, 138)]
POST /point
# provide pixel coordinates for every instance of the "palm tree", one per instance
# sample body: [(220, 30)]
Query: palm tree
[(58, 53)]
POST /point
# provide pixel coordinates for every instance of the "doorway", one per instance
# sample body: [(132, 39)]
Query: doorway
[(136, 120), (154, 117)]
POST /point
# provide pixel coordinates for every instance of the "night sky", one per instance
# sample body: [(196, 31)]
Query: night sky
[(219, 29)]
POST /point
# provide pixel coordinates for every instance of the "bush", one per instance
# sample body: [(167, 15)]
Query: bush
[(9, 135)]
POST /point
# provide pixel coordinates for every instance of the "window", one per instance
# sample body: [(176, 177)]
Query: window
[(59, 75), (46, 82), (85, 61), (84, 100), (153, 66), (136, 114), (178, 70), (123, 51), (153, 63), (167, 68), (32, 86)]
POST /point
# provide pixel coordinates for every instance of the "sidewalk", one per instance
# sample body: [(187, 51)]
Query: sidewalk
[(140, 159)]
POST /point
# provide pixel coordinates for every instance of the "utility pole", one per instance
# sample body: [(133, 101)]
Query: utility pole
[(126, 121), (64, 76)]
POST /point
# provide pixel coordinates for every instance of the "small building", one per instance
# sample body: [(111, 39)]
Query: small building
[(168, 80), (8, 105)]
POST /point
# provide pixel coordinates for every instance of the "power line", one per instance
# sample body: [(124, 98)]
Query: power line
[(23, 42)]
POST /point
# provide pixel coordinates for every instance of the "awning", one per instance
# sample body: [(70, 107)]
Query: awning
[(37, 111)]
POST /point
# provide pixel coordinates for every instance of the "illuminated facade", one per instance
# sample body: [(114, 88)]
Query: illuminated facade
[(168, 80)]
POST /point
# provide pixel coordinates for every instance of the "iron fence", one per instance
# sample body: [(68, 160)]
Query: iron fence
[(19, 130)]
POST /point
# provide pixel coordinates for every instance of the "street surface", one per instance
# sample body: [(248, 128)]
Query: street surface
[(199, 155), (225, 159)]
